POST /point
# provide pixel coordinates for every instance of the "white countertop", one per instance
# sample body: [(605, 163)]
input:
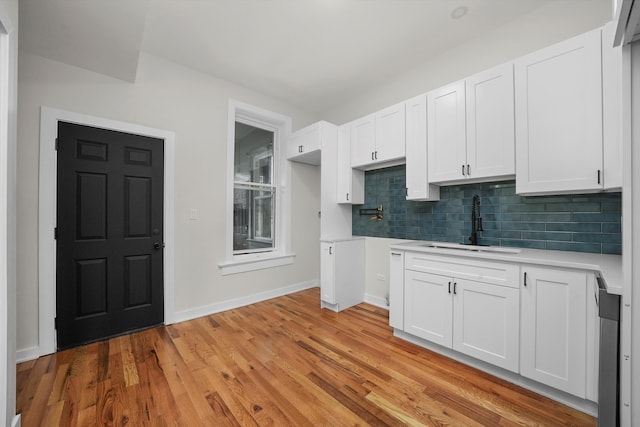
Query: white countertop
[(608, 267), (332, 239)]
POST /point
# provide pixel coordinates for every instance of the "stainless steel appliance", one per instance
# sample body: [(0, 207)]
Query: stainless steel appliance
[(608, 370)]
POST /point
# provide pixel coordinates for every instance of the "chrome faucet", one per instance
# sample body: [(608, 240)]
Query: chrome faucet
[(476, 220)]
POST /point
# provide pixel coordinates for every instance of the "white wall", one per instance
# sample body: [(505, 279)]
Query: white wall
[(549, 24), (194, 106), (9, 17)]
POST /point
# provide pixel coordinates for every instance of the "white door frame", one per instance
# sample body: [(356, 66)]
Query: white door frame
[(49, 118), (7, 288)]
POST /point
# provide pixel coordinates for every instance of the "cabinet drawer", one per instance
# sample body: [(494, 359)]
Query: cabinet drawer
[(503, 274)]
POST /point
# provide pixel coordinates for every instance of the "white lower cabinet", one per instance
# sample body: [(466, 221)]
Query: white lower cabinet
[(474, 318), (554, 328), (536, 321), (341, 273), (428, 307), (486, 322)]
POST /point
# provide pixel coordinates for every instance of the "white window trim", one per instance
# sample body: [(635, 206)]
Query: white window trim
[(281, 255)]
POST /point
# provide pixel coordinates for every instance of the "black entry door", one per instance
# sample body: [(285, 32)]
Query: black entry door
[(109, 233)]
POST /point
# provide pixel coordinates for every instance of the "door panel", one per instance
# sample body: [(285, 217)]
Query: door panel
[(137, 210), (428, 307), (553, 334), (92, 206), (109, 234), (486, 323)]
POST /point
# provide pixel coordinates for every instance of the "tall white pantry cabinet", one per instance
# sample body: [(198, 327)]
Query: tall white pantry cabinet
[(342, 256)]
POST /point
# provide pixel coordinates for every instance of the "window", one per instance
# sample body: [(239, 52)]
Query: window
[(254, 190), (258, 203)]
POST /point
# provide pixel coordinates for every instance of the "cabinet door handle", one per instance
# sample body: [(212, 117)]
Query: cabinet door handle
[(372, 156), (462, 170), (347, 197), (525, 279), (454, 288), (406, 191), (376, 154), (299, 148), (330, 250), (395, 254), (468, 170), (598, 176), (449, 287)]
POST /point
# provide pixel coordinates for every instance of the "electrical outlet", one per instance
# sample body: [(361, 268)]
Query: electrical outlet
[(381, 277)]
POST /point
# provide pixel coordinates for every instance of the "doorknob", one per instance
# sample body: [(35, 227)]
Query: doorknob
[(157, 245)]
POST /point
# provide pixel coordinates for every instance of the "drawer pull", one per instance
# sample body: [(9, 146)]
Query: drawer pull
[(525, 279), (449, 287), (454, 288)]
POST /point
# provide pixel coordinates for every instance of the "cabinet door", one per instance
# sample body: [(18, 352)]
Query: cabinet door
[(558, 93), (363, 134), (418, 187), (350, 188), (428, 306), (446, 133), (396, 289), (327, 273), (486, 322), (491, 123), (390, 133), (553, 328)]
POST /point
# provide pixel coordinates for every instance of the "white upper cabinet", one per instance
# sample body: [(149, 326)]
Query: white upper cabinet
[(378, 140), (305, 144), (350, 188), (390, 133), (471, 128), (491, 123), (418, 187), (559, 118), (446, 133), (363, 140)]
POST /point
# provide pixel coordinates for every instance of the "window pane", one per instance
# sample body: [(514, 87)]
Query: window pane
[(253, 218), (253, 161)]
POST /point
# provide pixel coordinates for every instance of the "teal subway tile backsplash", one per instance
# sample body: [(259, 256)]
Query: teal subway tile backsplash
[(583, 223)]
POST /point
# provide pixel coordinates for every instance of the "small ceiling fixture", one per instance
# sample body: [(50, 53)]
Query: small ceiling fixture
[(459, 12)]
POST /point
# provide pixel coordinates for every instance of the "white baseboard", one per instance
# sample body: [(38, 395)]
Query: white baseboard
[(230, 304), (377, 301), (26, 354), (31, 353), (17, 421)]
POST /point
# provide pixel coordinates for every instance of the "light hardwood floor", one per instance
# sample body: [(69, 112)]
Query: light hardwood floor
[(276, 363)]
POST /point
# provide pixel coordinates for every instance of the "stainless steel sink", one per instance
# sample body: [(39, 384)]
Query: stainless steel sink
[(470, 248)]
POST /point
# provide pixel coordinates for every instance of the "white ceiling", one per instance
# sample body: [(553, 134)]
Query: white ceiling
[(317, 54)]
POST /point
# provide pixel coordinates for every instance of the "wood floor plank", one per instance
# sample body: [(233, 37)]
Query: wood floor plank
[(280, 362)]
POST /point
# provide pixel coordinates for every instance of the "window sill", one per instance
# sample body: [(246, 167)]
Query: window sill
[(255, 262)]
